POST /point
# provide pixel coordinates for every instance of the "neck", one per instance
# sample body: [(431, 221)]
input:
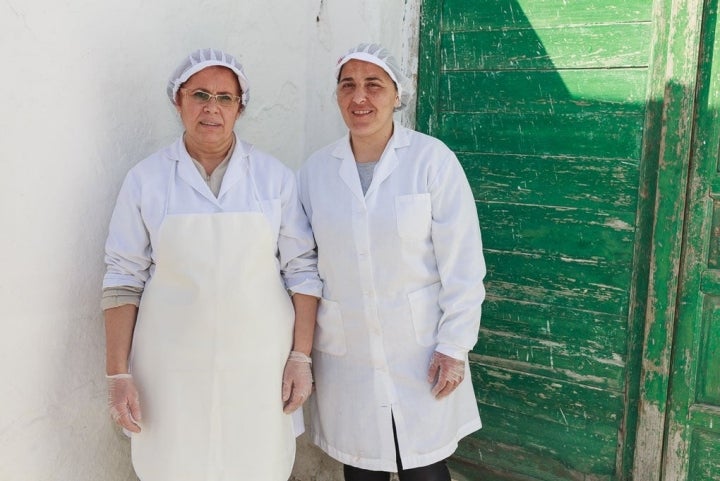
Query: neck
[(370, 149), (209, 156)]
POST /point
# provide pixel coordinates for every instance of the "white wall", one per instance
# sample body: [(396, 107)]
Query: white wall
[(81, 100)]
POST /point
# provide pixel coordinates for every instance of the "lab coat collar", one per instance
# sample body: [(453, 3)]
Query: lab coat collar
[(187, 171), (348, 170), (389, 159), (237, 167), (387, 164)]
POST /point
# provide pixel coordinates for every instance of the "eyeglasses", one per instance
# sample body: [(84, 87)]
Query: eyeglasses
[(201, 97)]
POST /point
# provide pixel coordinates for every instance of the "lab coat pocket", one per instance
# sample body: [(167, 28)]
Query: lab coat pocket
[(413, 215), (329, 331), (272, 209), (426, 313)]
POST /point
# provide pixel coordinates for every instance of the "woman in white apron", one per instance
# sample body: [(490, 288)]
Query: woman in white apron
[(400, 256), (210, 295)]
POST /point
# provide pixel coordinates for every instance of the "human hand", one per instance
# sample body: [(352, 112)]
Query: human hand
[(124, 402), (446, 373), (297, 381)]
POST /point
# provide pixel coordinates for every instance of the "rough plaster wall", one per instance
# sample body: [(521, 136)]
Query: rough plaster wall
[(83, 100)]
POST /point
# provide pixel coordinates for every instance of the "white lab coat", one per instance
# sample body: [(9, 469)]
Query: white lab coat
[(254, 181), (183, 366), (402, 268)]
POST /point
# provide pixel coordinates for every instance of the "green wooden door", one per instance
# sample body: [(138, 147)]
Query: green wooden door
[(693, 437), (548, 105)]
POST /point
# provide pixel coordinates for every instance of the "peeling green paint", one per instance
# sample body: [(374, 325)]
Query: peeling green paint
[(574, 122)]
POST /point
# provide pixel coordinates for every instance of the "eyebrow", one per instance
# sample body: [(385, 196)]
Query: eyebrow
[(366, 79), (216, 93)]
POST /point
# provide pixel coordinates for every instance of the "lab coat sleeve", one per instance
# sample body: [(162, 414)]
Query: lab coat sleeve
[(458, 250), (127, 249), (296, 245)]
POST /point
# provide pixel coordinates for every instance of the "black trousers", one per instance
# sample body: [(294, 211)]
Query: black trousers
[(433, 472)]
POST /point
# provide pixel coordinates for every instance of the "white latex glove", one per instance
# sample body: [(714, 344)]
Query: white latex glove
[(445, 373), (297, 381), (124, 402)]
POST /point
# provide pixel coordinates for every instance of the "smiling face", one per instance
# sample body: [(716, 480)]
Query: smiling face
[(367, 97), (209, 126)]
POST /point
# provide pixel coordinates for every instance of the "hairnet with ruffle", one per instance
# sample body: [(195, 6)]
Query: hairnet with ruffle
[(380, 56), (201, 59)]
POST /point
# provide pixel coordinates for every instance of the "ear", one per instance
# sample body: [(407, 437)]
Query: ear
[(397, 101)]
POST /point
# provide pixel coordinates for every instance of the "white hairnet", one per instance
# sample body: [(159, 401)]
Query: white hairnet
[(380, 56), (201, 59)]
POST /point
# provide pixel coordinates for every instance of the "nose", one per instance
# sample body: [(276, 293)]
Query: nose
[(359, 96), (212, 105)]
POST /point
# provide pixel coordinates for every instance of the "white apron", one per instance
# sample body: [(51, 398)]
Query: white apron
[(213, 333)]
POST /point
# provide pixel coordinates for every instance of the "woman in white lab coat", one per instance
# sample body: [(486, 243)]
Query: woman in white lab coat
[(210, 294), (400, 256)]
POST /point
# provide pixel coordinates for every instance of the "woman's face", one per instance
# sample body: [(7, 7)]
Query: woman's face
[(367, 97), (209, 125)]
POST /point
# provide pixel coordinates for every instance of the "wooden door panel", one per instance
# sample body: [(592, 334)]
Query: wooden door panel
[(589, 91), (704, 456), (603, 46), (709, 359), (478, 14), (580, 134)]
